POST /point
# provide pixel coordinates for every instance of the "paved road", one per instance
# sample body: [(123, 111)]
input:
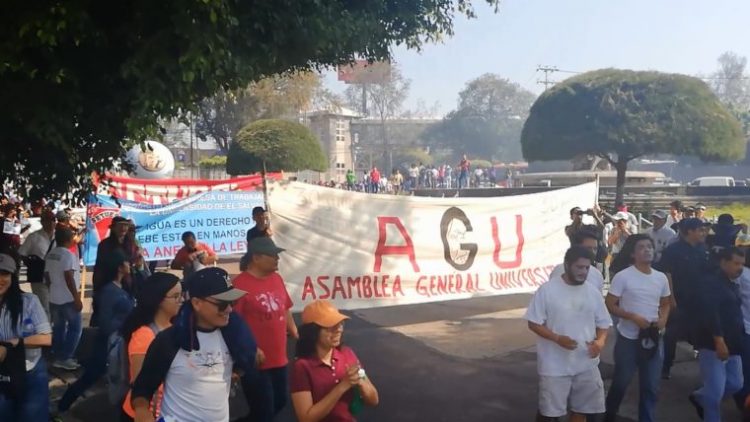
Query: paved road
[(469, 360)]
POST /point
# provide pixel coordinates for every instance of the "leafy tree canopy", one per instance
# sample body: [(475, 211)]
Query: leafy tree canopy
[(223, 114), (81, 80), (621, 114), (275, 145), (488, 120)]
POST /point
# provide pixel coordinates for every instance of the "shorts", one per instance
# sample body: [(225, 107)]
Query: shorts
[(582, 393)]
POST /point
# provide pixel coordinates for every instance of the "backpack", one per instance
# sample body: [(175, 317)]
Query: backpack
[(118, 366)]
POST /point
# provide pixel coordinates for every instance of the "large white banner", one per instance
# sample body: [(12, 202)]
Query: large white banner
[(362, 251)]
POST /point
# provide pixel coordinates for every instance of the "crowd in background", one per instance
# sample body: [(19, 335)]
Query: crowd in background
[(420, 176)]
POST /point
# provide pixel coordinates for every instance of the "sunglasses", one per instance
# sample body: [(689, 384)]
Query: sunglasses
[(221, 305)]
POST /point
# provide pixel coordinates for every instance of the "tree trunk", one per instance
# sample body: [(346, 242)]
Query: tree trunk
[(621, 166), (265, 187)]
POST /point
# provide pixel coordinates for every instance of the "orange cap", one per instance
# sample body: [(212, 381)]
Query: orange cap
[(323, 313)]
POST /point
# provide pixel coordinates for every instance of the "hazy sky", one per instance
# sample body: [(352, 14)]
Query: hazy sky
[(683, 36)]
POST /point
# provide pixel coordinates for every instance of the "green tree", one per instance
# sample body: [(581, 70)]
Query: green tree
[(83, 80), (275, 145), (488, 120), (620, 115), (222, 115)]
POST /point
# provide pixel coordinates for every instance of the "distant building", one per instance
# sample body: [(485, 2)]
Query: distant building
[(332, 127), (374, 145)]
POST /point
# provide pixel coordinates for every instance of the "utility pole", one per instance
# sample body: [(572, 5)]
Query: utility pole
[(547, 70)]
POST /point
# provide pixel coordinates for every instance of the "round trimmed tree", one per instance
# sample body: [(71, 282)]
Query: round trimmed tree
[(621, 115)]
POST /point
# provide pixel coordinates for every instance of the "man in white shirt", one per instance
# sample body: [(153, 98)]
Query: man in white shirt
[(571, 321), (62, 273), (640, 297), (33, 250), (194, 358), (660, 233), (586, 239)]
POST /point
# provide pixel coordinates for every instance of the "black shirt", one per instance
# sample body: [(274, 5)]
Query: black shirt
[(254, 232), (689, 267), (721, 314)]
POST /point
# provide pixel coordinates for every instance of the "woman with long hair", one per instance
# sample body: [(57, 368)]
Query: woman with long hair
[(316, 395), (158, 301), (24, 330)]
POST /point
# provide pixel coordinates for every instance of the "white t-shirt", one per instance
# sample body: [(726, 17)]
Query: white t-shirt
[(662, 238), (595, 277), (573, 311), (197, 385), (58, 261), (640, 294)]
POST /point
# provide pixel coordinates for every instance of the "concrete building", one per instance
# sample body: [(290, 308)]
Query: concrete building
[(332, 127)]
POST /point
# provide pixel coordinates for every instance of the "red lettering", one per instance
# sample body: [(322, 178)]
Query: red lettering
[(308, 289), (519, 245), (367, 286), (337, 286), (353, 282), (397, 286), (421, 288), (384, 283), (322, 283), (383, 249)]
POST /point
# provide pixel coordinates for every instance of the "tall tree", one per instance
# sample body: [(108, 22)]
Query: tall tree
[(730, 82), (83, 79), (621, 115), (222, 115), (488, 120), (385, 99)]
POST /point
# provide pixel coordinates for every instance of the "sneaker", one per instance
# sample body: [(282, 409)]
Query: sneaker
[(698, 407), (67, 364)]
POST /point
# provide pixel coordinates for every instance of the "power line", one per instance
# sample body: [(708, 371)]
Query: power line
[(547, 70)]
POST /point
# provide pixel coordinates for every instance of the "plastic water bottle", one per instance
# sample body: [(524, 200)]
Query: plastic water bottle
[(357, 404)]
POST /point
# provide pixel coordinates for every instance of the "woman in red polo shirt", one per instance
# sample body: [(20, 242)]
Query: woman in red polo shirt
[(327, 381)]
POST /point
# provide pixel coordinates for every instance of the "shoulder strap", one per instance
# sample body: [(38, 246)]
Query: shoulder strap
[(51, 245), (154, 328)]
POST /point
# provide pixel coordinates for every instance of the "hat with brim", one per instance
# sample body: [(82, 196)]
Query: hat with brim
[(742, 240), (621, 216), (692, 224), (322, 313), (659, 214), (8, 264), (212, 282), (119, 220), (263, 246)]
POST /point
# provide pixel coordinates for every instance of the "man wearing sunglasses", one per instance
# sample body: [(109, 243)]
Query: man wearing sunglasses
[(196, 357)]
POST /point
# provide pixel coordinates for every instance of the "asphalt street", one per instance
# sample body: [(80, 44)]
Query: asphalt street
[(469, 360)]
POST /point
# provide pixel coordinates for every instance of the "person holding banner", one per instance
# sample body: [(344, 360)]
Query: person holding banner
[(193, 257), (328, 381), (267, 310), (262, 226)]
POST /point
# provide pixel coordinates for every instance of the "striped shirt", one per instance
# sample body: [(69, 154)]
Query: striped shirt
[(33, 320)]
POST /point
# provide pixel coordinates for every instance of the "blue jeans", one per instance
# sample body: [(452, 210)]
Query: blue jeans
[(66, 330), (463, 180), (627, 362), (266, 392), (741, 395), (719, 379), (35, 406), (94, 367)]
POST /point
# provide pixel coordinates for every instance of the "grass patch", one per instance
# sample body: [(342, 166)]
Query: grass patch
[(741, 212)]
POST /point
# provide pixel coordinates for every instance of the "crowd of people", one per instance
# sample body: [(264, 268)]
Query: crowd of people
[(169, 348), (684, 279), (421, 176)]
